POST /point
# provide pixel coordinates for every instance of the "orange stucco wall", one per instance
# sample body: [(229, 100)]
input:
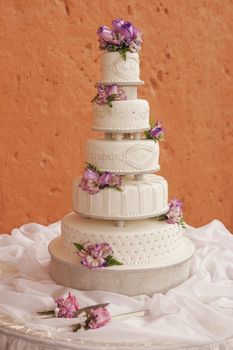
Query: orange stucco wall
[(49, 63)]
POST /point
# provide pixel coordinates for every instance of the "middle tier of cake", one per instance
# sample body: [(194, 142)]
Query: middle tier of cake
[(138, 199), (124, 156)]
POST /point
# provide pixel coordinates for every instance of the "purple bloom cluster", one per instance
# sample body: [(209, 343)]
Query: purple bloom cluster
[(157, 132), (108, 93), (94, 255), (123, 36), (174, 215), (92, 181), (66, 307)]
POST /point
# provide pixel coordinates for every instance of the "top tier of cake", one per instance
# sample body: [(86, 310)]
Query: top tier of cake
[(117, 70), (129, 114)]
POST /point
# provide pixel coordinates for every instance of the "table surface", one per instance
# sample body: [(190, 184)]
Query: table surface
[(195, 315)]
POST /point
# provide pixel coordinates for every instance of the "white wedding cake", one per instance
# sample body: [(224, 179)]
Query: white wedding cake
[(123, 235)]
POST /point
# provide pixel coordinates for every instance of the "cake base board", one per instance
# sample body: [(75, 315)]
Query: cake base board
[(66, 270)]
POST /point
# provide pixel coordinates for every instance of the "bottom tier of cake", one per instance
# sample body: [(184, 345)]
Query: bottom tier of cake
[(129, 280)]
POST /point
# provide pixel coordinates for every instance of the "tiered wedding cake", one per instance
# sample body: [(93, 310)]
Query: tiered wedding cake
[(112, 240)]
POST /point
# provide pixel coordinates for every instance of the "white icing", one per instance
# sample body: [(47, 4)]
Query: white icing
[(117, 70), (124, 157), (138, 199), (127, 115), (138, 243)]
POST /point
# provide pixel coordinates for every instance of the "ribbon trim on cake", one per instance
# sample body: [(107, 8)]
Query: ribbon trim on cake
[(94, 180), (96, 255), (108, 93), (123, 37)]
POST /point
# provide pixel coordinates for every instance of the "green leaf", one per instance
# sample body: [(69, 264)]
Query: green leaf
[(109, 103), (118, 189), (162, 217), (78, 246), (123, 54), (111, 261), (182, 223), (147, 134), (92, 167)]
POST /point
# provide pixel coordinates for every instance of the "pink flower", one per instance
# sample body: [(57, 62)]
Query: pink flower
[(114, 180), (111, 89), (120, 95), (109, 179), (67, 307), (175, 212), (108, 93), (94, 255), (100, 317), (89, 181)]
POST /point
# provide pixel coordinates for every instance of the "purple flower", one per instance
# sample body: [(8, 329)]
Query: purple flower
[(108, 93), (66, 307), (123, 37), (94, 255), (104, 179), (100, 317), (114, 180), (105, 34), (120, 95), (128, 31), (89, 181), (174, 215), (109, 179), (157, 132), (111, 89), (117, 24)]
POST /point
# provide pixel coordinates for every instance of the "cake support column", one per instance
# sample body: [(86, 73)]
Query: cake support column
[(138, 177), (108, 136), (120, 223)]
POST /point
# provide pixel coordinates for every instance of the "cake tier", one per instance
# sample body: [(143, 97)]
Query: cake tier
[(66, 270), (124, 157), (142, 242), (124, 116), (138, 199), (117, 70)]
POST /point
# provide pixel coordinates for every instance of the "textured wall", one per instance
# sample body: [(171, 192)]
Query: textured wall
[(49, 62)]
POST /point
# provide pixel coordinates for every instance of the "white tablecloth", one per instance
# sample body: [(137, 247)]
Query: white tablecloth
[(195, 315)]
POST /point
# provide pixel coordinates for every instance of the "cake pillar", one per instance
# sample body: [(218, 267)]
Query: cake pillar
[(120, 223)]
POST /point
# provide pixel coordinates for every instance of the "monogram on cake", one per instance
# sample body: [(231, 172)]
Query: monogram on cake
[(123, 235)]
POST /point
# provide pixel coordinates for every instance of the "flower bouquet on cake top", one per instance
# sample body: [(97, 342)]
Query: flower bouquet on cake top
[(122, 37)]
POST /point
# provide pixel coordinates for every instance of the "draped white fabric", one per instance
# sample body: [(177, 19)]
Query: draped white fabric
[(195, 315)]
